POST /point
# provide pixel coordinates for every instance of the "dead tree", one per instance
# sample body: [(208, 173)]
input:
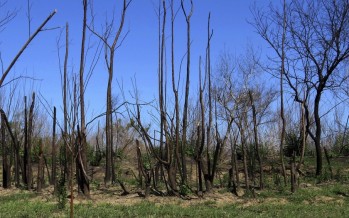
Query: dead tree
[(53, 158), (6, 166), (187, 84), (40, 176), (28, 132), (83, 181), (40, 28), (110, 48), (15, 144)]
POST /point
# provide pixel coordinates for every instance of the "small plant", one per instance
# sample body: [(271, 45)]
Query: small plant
[(61, 193), (184, 190)]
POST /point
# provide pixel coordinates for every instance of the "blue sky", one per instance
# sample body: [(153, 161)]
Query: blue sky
[(139, 52)]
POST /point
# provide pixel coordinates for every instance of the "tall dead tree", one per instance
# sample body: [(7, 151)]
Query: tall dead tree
[(65, 107), (82, 177), (40, 174), (175, 156), (6, 166), (110, 48), (187, 84), (53, 154)]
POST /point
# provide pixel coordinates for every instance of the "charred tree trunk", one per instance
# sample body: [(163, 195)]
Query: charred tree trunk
[(6, 167), (15, 145), (81, 174), (317, 139), (26, 150), (28, 130)]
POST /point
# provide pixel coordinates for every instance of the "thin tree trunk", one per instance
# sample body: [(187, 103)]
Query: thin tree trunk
[(328, 161), (30, 135), (40, 177), (25, 155), (15, 144), (303, 135), (317, 139), (65, 110), (244, 153), (54, 160), (84, 184), (187, 83), (282, 114), (175, 91), (256, 141)]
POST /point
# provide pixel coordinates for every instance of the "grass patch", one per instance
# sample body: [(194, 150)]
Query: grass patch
[(325, 200)]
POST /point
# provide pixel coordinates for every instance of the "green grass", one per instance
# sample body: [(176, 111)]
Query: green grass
[(327, 200)]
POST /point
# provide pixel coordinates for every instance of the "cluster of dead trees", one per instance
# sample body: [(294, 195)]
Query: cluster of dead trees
[(196, 141)]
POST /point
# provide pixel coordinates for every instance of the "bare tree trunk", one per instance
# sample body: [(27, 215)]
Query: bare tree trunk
[(28, 129), (244, 154), (84, 184), (256, 141), (40, 177), (175, 91), (187, 83), (54, 160), (26, 150), (293, 173), (30, 135), (282, 113), (65, 110), (15, 144), (201, 132), (328, 161), (303, 135), (317, 139), (6, 167)]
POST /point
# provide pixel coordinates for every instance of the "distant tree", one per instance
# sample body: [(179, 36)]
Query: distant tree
[(316, 48)]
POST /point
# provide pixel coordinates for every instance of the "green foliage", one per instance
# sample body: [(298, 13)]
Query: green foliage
[(292, 144), (61, 192), (146, 161), (320, 201), (94, 157), (340, 146), (184, 190)]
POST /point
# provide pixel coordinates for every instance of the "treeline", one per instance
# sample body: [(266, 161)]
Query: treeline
[(239, 130)]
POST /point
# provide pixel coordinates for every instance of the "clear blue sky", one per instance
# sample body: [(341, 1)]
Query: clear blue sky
[(139, 52)]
